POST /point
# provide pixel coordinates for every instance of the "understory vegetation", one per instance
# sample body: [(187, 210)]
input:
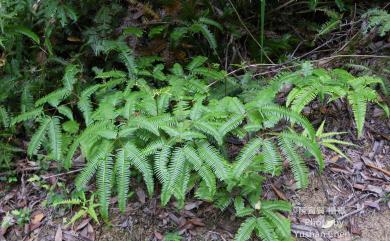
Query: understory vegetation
[(154, 94)]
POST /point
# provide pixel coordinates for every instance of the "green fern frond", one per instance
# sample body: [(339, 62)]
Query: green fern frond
[(160, 164), (181, 185), (66, 111), (209, 179), (236, 106), (193, 157), (152, 148), (241, 210), (359, 107), (211, 22), (69, 78), (196, 62), (55, 138), (231, 124), (214, 160), (298, 166), (311, 146), (264, 230), (304, 97), (208, 129), (163, 101), (244, 233), (204, 172), (70, 153), (282, 224), (204, 30), (175, 169), (26, 99), (378, 18), (4, 117), (272, 160), (27, 116), (128, 60), (84, 103), (141, 163), (289, 115), (27, 32), (54, 98), (103, 151), (104, 176), (246, 157), (73, 201), (146, 124), (122, 167), (112, 74), (37, 138), (276, 205), (177, 34)]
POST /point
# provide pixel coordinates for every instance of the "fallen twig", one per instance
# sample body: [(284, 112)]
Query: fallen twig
[(378, 169)]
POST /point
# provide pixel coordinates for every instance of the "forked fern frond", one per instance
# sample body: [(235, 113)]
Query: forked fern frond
[(246, 156), (142, 165), (214, 160), (283, 113)]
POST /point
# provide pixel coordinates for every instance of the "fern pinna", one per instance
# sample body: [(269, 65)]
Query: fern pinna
[(174, 133)]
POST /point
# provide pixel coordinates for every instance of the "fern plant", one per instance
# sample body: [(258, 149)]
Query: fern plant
[(87, 207), (332, 85), (200, 26), (264, 219), (173, 140), (326, 140), (377, 19)]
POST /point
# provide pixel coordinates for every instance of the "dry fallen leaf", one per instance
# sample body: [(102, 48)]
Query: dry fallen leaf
[(141, 195), (91, 232), (197, 222), (83, 224), (191, 206), (372, 204), (37, 218), (58, 236), (158, 235)]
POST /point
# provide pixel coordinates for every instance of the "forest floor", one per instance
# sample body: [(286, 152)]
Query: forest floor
[(349, 201)]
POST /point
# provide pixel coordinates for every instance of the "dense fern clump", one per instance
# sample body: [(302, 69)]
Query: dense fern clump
[(167, 126), (332, 85)]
